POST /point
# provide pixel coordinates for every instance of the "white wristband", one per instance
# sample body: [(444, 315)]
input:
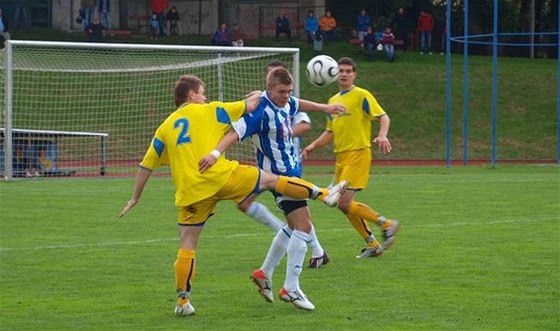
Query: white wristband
[(215, 153)]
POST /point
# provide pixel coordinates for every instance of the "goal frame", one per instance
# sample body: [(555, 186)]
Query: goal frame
[(8, 69)]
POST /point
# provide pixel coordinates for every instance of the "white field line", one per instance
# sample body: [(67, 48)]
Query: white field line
[(240, 235)]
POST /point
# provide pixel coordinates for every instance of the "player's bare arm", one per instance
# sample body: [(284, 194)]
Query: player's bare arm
[(307, 105), (252, 101), (381, 140), (229, 139), (324, 139), (300, 129), (141, 179)]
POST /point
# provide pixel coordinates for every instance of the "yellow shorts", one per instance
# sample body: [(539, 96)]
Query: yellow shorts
[(243, 181), (353, 166)]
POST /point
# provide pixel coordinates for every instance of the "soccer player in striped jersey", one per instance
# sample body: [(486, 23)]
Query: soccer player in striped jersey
[(351, 133), (270, 128), (301, 123), (186, 136)]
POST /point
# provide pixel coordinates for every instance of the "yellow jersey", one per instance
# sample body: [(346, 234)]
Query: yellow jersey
[(184, 138), (352, 130)]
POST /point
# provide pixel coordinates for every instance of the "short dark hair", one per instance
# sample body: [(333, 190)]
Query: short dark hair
[(347, 61), (183, 86), (274, 64)]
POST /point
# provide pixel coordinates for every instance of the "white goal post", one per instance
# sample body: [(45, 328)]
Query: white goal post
[(86, 109)]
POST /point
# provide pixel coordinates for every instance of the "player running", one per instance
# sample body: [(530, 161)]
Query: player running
[(351, 133)]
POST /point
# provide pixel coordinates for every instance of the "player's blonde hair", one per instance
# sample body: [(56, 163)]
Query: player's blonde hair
[(277, 76), (183, 86)]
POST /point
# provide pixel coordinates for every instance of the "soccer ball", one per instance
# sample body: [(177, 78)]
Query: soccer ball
[(322, 70), (379, 47)]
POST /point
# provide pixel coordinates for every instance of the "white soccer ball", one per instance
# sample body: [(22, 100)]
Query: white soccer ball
[(379, 47), (322, 70)]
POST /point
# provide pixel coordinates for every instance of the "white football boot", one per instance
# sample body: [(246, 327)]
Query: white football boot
[(264, 285), (186, 309), (297, 298), (335, 192)]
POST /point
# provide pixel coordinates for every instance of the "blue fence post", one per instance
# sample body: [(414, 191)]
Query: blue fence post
[(448, 87), (466, 85), (495, 85)]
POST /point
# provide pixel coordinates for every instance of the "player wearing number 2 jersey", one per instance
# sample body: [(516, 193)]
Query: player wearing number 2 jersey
[(186, 136)]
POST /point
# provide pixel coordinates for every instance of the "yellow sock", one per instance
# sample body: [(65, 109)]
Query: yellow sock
[(360, 225), (299, 189), (364, 211), (185, 271)]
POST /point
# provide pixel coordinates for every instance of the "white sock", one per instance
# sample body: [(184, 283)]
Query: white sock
[(314, 244), (277, 250), (297, 247), (262, 214)]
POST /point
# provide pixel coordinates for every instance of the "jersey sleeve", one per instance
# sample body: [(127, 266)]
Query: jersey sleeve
[(300, 117), (371, 107), (249, 124), (156, 154), (328, 125), (294, 106), (229, 112)]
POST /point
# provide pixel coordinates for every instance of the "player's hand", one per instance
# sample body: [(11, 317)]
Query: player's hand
[(252, 101), (206, 163), (131, 203), (383, 143), (335, 109), (305, 152), (252, 94)]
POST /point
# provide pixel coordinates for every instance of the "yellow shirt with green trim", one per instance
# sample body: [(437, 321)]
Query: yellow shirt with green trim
[(184, 138), (352, 130)]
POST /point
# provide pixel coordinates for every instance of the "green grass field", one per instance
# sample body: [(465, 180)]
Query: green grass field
[(479, 249)]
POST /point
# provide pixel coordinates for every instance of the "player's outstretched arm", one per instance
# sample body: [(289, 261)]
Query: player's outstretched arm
[(141, 179), (307, 105), (324, 139), (229, 139)]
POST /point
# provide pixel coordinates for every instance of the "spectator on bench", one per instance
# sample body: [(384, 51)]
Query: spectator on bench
[(222, 37), (283, 26), (327, 26), (388, 42), (311, 26), (173, 22), (369, 43), (237, 36), (96, 30)]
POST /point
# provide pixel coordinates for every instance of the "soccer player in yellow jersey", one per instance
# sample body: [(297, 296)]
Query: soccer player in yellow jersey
[(185, 137), (351, 133)]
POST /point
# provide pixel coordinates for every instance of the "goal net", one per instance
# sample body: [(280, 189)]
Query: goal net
[(80, 109)]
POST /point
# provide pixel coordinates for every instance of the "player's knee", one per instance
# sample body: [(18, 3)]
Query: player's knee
[(244, 206), (344, 205), (268, 181)]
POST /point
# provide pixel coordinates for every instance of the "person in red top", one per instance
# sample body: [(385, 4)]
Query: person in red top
[(425, 27), (159, 7), (388, 42)]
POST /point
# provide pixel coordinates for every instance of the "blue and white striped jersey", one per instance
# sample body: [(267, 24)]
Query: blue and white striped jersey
[(271, 130)]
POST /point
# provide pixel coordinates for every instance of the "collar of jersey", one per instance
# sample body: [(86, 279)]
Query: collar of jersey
[(347, 91)]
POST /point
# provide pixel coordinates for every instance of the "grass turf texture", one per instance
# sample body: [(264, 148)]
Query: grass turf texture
[(479, 249)]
